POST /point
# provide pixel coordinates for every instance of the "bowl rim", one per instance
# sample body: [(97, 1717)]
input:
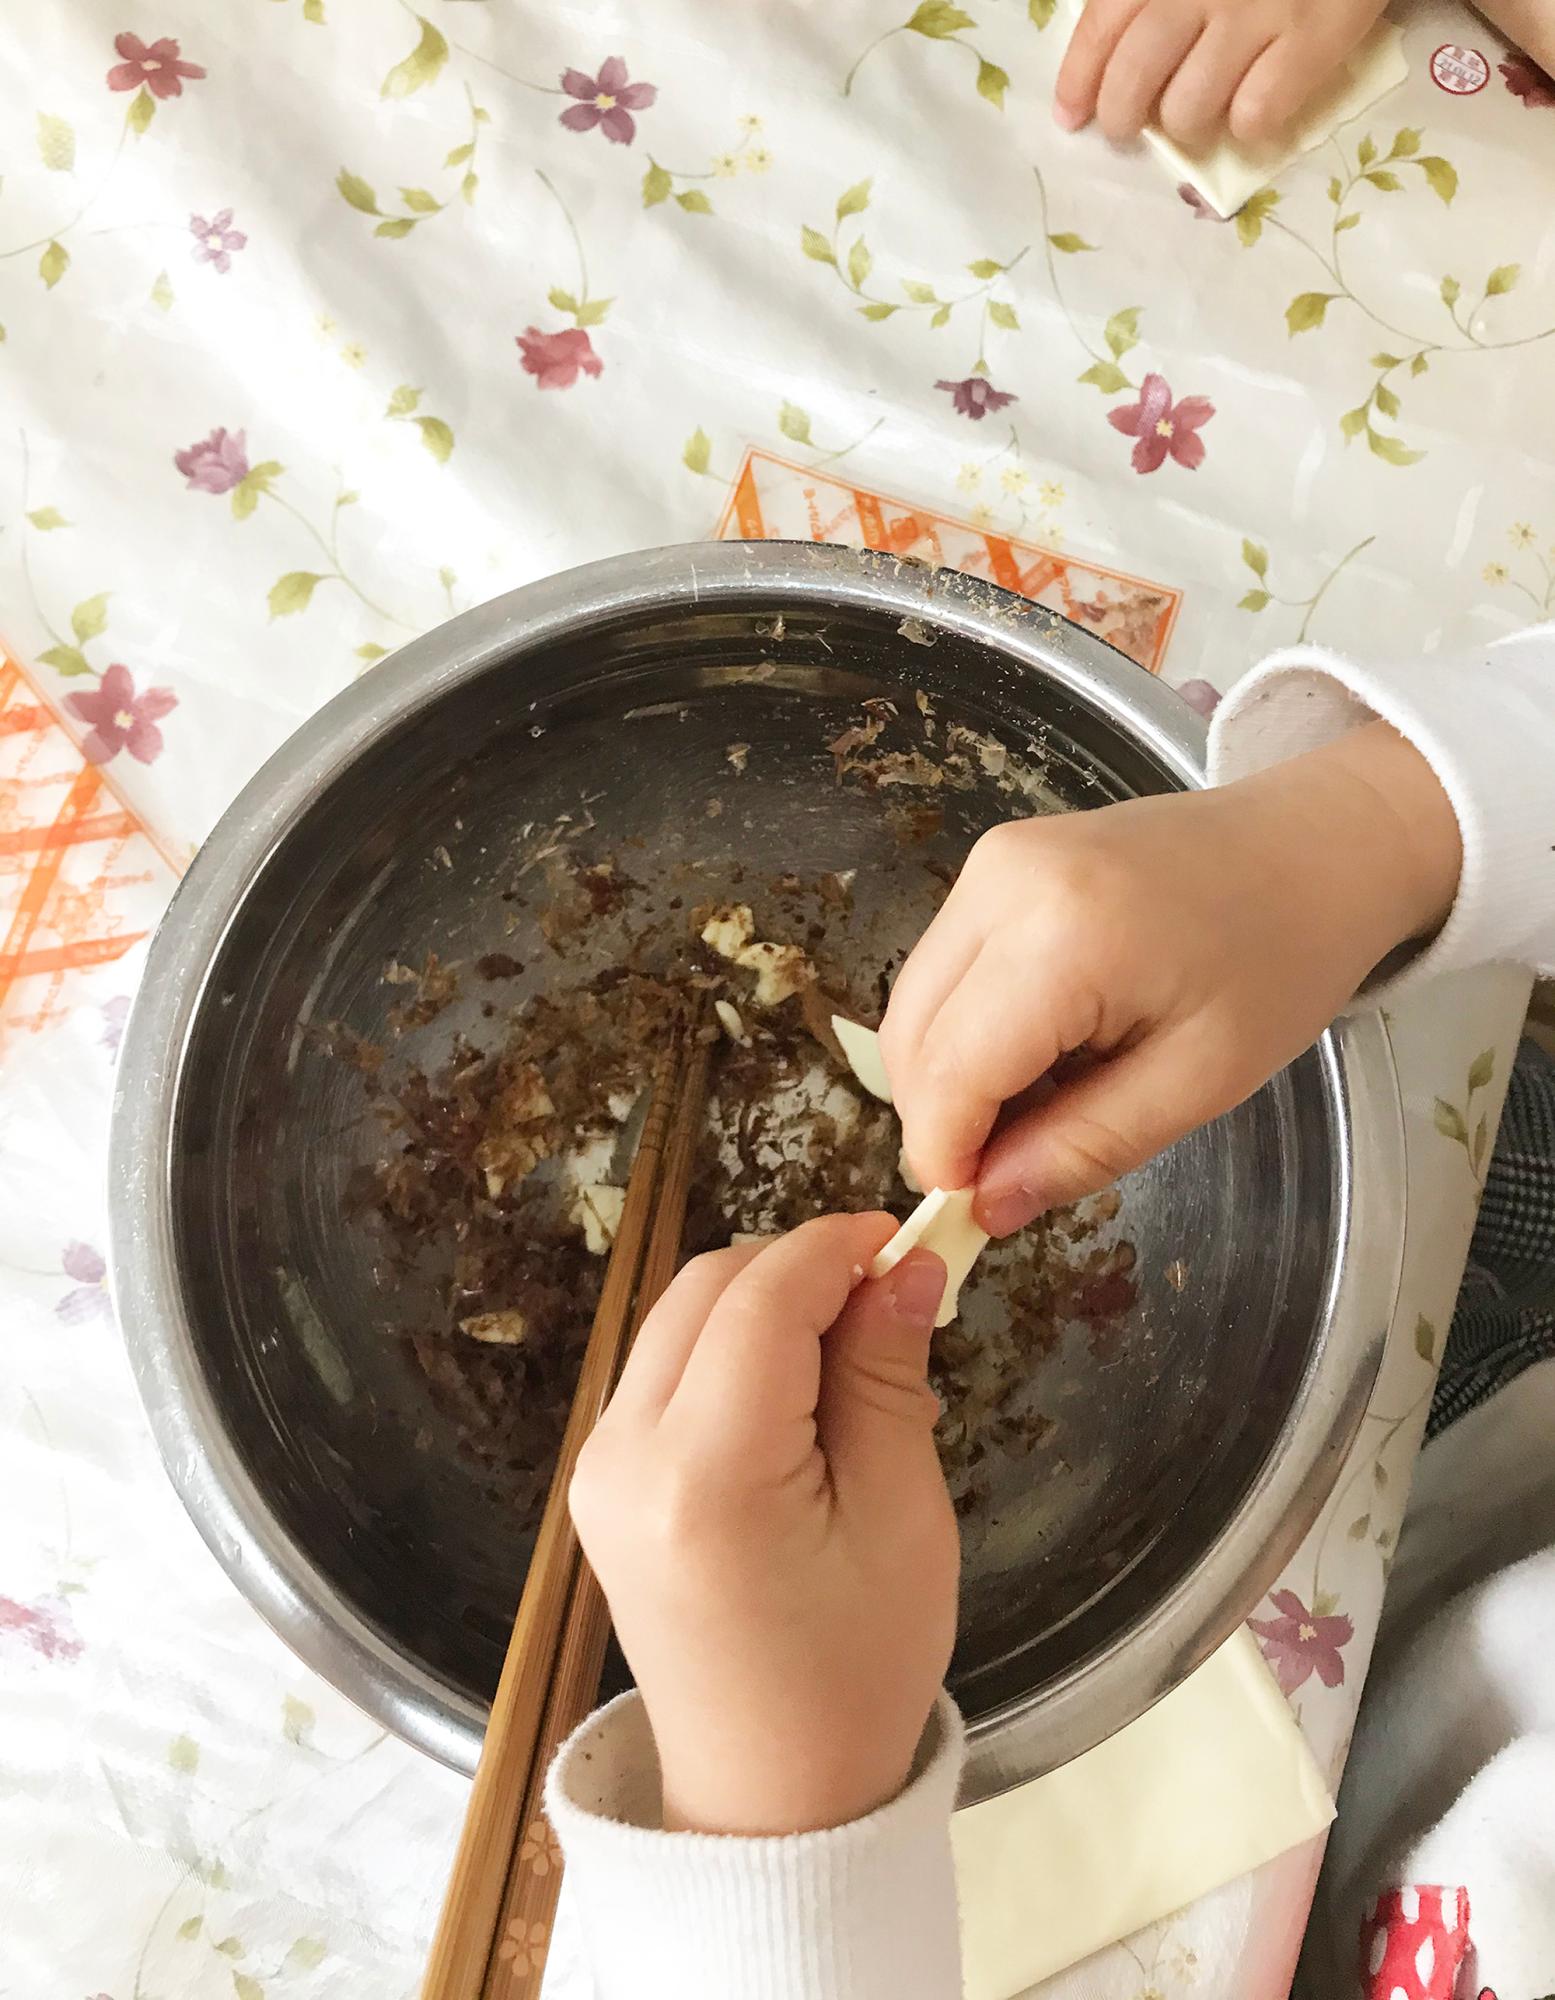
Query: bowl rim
[(1018, 1741)]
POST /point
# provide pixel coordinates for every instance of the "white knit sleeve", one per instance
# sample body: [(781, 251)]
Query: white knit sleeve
[(1485, 722), (863, 1912)]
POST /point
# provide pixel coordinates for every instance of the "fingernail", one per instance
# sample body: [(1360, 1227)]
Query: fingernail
[(917, 1286), (1002, 1214), (1066, 117)]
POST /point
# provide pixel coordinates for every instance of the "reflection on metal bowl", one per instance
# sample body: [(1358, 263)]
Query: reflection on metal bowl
[(1192, 1453)]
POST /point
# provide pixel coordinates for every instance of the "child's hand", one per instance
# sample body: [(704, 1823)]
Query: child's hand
[(1197, 66), (764, 1508), (1194, 943)]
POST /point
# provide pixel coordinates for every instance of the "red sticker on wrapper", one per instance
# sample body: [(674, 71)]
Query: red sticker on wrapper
[(1459, 71)]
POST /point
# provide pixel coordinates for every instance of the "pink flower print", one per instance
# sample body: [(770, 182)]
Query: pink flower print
[(90, 1298), (160, 67), (47, 1627), (1524, 78), (976, 396), (217, 463), (554, 359), (1299, 1644), (120, 719), (215, 241), (606, 100), (1163, 427), (1201, 696)]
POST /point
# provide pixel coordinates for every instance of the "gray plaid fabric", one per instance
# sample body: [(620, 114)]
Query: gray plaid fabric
[(1504, 1320)]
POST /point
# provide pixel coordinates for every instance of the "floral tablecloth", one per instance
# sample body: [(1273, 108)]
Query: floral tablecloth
[(325, 317)]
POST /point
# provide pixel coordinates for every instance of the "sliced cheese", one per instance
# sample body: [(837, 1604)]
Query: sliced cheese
[(597, 1208), (942, 1222), (781, 969), (1227, 175), (729, 1018), (498, 1329), (1213, 1781), (861, 1046)]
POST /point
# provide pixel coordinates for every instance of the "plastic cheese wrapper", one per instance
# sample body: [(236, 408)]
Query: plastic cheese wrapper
[(1227, 175), (1215, 1780)]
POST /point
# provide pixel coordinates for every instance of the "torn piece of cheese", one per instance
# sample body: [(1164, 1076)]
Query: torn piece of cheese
[(781, 969), (729, 1019), (597, 1208), (861, 1046), (498, 1329), (942, 1222)]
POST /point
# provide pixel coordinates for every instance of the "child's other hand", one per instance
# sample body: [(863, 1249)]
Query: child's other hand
[(763, 1505), (1194, 944), (1199, 66)]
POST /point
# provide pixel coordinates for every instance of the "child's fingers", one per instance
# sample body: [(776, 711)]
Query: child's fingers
[(757, 1365), (939, 958), (1006, 1024), (1085, 61), (1119, 1115), (876, 1405), (669, 1333), (1275, 88), (1195, 102), (1141, 65)]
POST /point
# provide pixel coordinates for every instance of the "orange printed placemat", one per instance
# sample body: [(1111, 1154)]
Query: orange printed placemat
[(773, 499), (81, 880)]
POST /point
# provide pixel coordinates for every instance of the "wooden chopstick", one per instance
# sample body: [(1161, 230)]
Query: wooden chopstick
[(465, 1944), (523, 1937)]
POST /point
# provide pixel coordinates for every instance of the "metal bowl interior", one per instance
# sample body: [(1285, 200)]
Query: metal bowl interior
[(1186, 1456)]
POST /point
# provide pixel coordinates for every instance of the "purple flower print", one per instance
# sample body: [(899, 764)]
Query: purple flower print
[(120, 719), (90, 1298), (159, 67), (217, 463), (606, 100), (1202, 212), (215, 241), (976, 396), (1299, 1644), (47, 1627)]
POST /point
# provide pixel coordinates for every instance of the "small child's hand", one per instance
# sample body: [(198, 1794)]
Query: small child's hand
[(1191, 945), (1198, 66), (763, 1505)]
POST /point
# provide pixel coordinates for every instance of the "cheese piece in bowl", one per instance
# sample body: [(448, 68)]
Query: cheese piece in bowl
[(861, 1046), (942, 1221)]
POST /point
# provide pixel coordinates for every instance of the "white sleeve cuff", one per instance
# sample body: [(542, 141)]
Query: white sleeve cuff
[(1485, 722), (862, 1912)]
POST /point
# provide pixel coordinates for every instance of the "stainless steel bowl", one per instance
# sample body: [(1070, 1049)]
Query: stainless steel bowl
[(1188, 1457)]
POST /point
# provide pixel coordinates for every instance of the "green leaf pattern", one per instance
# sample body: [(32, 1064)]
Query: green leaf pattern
[(1387, 174), (940, 21), (854, 264)]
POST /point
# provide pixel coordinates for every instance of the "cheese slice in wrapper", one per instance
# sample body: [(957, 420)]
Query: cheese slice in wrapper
[(1213, 1781), (1227, 175)]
